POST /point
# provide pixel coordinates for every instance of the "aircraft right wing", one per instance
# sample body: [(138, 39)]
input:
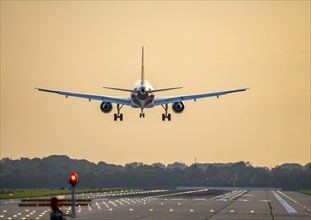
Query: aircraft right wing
[(117, 100), (168, 100)]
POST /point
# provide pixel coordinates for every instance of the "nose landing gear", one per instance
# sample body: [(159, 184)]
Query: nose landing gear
[(166, 115), (142, 114)]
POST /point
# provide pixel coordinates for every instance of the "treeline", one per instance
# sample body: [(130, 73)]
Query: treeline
[(53, 172)]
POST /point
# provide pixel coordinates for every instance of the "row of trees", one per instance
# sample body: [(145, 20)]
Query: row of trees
[(53, 171)]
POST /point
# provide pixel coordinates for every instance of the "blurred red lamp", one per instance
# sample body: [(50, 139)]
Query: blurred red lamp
[(73, 178)]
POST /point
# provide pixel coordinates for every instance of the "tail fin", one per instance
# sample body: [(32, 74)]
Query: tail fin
[(142, 80)]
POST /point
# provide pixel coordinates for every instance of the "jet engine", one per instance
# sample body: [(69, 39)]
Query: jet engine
[(178, 107), (106, 107)]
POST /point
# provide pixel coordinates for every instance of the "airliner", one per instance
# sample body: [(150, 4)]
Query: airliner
[(142, 96)]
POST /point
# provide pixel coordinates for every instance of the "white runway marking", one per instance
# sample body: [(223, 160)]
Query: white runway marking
[(265, 200), (243, 200), (288, 207), (247, 195)]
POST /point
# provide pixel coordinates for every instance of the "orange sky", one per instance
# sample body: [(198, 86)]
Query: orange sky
[(203, 46)]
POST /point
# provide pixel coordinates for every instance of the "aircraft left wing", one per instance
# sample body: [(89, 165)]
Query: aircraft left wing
[(117, 100), (173, 99)]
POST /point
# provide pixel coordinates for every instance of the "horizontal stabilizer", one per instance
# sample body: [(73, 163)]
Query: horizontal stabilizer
[(119, 89), (165, 89)]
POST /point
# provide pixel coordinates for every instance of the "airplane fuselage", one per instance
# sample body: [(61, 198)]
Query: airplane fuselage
[(143, 98)]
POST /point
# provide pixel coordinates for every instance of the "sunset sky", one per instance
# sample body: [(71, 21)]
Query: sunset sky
[(204, 46)]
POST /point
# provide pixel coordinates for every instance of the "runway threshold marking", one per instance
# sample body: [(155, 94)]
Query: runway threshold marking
[(229, 196), (180, 193), (287, 206)]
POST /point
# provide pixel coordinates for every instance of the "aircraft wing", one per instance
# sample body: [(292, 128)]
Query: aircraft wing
[(117, 100), (168, 100)]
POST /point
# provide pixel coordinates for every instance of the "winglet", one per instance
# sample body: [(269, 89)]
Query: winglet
[(142, 80)]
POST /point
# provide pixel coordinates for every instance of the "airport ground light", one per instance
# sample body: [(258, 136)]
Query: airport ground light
[(58, 201)]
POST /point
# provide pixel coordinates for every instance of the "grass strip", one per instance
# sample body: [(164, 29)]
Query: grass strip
[(305, 191), (29, 193)]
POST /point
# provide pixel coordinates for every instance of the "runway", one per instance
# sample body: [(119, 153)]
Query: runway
[(163, 204)]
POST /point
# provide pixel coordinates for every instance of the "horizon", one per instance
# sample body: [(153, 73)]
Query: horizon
[(165, 164)]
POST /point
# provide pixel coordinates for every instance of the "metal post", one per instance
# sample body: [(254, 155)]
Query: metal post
[(73, 199)]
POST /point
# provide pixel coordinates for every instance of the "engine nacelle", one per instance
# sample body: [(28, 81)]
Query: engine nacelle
[(106, 107), (178, 107)]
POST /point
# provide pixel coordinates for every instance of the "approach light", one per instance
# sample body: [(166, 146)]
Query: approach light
[(73, 178)]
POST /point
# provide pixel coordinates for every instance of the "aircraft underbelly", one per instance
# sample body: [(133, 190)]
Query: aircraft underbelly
[(142, 105), (142, 102)]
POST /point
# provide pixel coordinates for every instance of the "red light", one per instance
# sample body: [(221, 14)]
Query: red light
[(73, 178)]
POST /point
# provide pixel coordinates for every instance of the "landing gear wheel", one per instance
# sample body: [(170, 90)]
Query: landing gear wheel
[(118, 115), (166, 115)]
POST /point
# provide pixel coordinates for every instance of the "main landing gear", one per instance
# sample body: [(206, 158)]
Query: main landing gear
[(118, 115), (166, 115), (142, 114)]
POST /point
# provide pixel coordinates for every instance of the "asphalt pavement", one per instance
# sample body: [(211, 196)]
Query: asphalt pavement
[(190, 204)]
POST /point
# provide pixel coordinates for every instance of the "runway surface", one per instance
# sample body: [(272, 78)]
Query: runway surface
[(162, 204)]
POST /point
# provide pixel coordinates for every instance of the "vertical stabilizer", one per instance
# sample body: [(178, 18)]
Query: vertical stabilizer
[(142, 80)]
